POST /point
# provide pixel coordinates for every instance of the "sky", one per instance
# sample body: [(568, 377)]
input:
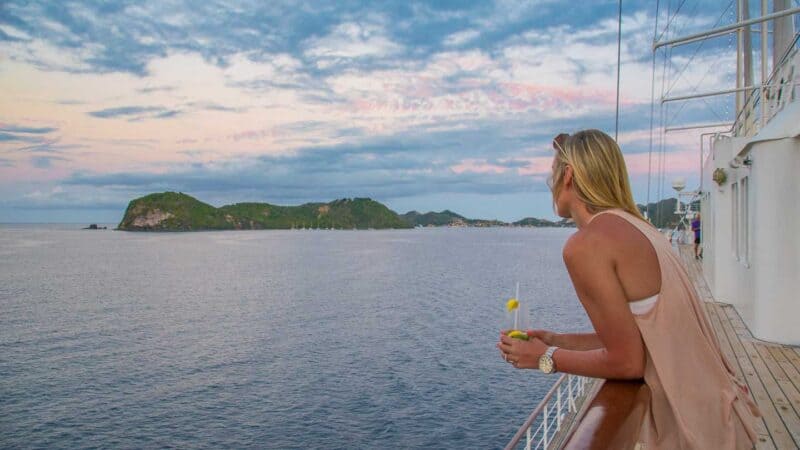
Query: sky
[(419, 105)]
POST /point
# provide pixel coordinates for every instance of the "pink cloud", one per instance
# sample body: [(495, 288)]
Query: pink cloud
[(675, 163), (540, 165), (477, 166), (537, 166), (554, 95), (251, 135), (476, 95)]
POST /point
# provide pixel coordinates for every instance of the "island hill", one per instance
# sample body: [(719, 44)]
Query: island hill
[(175, 211)]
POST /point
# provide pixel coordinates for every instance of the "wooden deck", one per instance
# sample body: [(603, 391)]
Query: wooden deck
[(771, 371)]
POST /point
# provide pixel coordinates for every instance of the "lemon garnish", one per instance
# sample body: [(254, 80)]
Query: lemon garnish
[(516, 334), (512, 304)]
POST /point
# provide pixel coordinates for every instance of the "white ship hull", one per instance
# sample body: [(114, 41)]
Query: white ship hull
[(751, 221)]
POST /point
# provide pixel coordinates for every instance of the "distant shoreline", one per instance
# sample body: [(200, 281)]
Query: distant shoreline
[(176, 211)]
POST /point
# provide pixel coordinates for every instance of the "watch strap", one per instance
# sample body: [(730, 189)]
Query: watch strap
[(549, 353)]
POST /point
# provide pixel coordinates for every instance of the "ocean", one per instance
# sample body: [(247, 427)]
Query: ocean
[(270, 339)]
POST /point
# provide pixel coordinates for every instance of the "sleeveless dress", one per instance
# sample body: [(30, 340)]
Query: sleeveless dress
[(696, 402)]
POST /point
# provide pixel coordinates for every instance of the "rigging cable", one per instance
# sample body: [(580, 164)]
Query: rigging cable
[(652, 115), (619, 61), (697, 49), (708, 72), (670, 20), (662, 126), (665, 124)]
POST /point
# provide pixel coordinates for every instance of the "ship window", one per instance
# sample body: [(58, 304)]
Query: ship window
[(735, 219)]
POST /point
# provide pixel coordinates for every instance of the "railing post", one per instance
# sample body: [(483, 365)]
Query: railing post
[(528, 441), (572, 406), (544, 427), (558, 409)]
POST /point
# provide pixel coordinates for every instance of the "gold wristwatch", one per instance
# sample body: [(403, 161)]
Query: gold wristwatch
[(546, 363)]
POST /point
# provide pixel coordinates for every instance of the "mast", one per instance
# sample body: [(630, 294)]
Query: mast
[(782, 31), (744, 55)]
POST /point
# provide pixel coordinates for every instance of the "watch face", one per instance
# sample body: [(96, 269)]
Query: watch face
[(546, 364)]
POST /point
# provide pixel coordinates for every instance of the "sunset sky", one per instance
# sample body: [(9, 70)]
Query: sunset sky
[(420, 105)]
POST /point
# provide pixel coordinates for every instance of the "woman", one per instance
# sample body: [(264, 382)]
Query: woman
[(647, 317), (696, 230)]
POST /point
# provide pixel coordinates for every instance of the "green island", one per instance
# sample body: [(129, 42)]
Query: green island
[(176, 211)]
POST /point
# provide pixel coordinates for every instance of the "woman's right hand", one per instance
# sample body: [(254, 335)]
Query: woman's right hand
[(543, 335)]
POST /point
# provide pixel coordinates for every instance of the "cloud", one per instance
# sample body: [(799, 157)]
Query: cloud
[(212, 106), (45, 162), (16, 137), (167, 114), (352, 40), (148, 90), (461, 37), (26, 130), (58, 197), (135, 113), (69, 102), (415, 162), (13, 34), (304, 100), (124, 37), (50, 146), (30, 137), (139, 113)]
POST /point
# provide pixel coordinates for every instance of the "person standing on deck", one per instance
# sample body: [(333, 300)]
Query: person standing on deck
[(698, 253), (648, 320)]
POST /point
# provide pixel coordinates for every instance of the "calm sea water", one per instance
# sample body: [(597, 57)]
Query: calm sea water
[(270, 339)]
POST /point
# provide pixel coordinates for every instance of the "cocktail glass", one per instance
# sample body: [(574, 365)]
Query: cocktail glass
[(517, 316)]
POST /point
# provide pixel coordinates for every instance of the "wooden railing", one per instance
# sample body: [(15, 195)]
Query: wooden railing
[(612, 419), (600, 414)]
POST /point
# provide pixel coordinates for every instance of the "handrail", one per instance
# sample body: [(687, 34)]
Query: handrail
[(755, 96), (527, 424), (543, 436), (611, 419)]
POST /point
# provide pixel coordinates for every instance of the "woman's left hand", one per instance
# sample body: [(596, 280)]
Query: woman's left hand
[(521, 354)]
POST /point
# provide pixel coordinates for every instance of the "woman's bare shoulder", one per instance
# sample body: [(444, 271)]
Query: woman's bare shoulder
[(584, 242), (604, 236)]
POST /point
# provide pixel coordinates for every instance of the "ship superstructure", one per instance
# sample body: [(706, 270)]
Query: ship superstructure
[(751, 196)]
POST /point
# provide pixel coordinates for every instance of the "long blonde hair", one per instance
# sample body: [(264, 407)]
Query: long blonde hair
[(599, 173)]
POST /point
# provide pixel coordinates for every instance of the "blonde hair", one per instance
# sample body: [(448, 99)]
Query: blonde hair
[(599, 173)]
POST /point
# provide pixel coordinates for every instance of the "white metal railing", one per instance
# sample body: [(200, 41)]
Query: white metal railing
[(544, 426), (780, 89)]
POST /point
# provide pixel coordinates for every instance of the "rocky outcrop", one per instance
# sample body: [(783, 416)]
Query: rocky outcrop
[(151, 219)]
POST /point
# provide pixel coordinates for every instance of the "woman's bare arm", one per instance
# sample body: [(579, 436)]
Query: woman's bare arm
[(569, 341), (618, 351), (576, 341), (590, 262)]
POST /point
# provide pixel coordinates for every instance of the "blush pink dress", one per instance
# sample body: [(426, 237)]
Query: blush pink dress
[(696, 402)]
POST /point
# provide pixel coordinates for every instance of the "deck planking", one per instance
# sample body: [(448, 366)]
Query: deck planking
[(771, 371)]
